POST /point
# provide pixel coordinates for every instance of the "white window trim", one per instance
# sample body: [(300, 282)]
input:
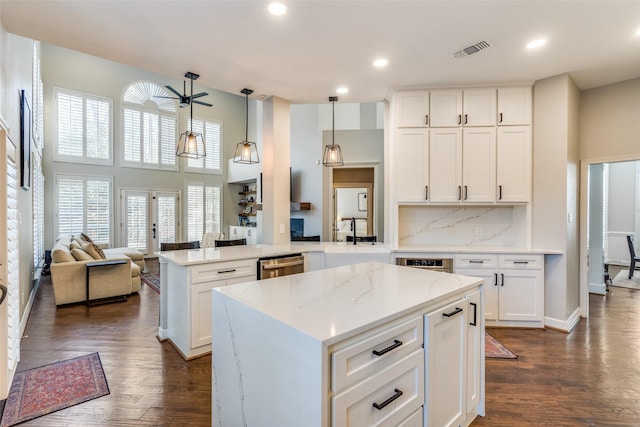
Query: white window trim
[(108, 178), (205, 170), (82, 159)]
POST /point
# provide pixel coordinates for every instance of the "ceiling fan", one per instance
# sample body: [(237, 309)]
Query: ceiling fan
[(186, 100)]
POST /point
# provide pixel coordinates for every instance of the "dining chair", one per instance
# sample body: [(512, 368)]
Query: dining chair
[(632, 256), (233, 242), (174, 246), (305, 238)]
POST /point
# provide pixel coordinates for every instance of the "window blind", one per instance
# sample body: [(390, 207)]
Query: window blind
[(211, 131), (204, 207)]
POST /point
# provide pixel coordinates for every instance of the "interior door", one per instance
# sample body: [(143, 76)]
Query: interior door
[(352, 202), (149, 218)]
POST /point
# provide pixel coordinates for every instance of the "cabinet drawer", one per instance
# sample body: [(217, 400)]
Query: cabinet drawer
[(223, 270), (397, 391), (520, 261), (475, 261), (414, 420), (390, 344)]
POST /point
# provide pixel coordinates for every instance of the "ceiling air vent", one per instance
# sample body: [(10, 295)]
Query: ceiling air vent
[(470, 50)]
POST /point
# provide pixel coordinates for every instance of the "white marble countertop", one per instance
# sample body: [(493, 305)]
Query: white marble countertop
[(202, 256), (337, 303)]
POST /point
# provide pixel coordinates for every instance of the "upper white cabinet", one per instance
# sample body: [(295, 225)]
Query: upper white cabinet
[(412, 108), (412, 165), (514, 105), (513, 176), (445, 165), (469, 107)]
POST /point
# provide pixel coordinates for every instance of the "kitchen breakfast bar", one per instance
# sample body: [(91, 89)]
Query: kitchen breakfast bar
[(355, 345)]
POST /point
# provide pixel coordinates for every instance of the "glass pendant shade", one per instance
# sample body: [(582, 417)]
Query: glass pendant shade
[(332, 153), (332, 156), (191, 145), (246, 152)]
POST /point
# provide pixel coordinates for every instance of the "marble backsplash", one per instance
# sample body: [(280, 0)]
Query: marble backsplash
[(466, 226)]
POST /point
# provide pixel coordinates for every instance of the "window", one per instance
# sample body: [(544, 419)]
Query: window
[(83, 205), (204, 208), (211, 131), (83, 128), (149, 127), (38, 212)]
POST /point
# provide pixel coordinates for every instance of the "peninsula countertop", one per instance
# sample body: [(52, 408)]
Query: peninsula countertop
[(334, 304)]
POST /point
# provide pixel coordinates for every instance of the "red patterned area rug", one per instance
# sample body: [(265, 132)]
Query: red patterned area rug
[(152, 280), (41, 391), (495, 350)]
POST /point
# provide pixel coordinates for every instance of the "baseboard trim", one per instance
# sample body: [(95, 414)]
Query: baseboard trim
[(598, 288), (27, 310), (563, 325)]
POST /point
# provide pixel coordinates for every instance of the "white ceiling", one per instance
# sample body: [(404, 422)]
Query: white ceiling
[(317, 46)]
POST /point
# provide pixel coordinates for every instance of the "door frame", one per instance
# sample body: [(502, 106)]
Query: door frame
[(371, 226)]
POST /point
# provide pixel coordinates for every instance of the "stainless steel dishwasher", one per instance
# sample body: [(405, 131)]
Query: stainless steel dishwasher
[(277, 266)]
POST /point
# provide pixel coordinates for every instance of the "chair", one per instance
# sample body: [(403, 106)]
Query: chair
[(209, 238), (632, 255), (371, 239), (305, 238), (179, 245), (233, 242)]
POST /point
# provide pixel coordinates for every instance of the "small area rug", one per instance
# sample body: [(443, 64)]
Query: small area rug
[(152, 280), (41, 391), (622, 280), (494, 349)]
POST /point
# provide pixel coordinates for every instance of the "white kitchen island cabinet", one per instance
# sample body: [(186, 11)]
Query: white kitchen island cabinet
[(344, 346)]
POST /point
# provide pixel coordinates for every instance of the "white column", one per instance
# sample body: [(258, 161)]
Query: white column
[(276, 164)]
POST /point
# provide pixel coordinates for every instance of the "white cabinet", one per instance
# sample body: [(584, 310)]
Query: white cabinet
[(514, 287), (514, 105), (469, 107), (189, 301), (446, 365), (475, 347), (513, 171), (412, 108), (239, 232), (462, 165), (412, 165)]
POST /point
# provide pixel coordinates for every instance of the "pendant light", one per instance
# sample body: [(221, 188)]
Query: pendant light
[(246, 152), (191, 144), (332, 153)]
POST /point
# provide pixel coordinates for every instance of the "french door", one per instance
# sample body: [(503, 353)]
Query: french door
[(150, 218)]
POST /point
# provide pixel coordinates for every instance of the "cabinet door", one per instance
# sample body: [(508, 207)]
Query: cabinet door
[(479, 107), (201, 313), (445, 165), (513, 164), (412, 108), (235, 232), (520, 295), (514, 105), (479, 164), (251, 235), (445, 107), (475, 348), (490, 277), (446, 360), (412, 165)]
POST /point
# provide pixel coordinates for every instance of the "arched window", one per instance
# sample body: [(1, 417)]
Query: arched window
[(149, 127)]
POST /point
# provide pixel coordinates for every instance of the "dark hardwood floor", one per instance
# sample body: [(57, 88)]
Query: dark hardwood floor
[(590, 377)]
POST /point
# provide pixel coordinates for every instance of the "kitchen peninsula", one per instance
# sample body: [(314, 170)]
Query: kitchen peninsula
[(362, 344)]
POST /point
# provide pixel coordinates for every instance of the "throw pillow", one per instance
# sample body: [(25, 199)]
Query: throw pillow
[(86, 238), (61, 253), (94, 250), (75, 245), (81, 255)]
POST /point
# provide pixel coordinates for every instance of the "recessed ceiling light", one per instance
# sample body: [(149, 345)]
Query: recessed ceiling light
[(536, 43), (342, 90), (380, 62), (277, 8)]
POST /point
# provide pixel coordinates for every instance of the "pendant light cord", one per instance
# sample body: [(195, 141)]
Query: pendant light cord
[(333, 123), (246, 118), (191, 108)]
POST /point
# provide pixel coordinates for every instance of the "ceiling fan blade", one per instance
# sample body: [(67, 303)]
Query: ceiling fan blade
[(199, 95), (202, 103), (173, 90), (166, 97)]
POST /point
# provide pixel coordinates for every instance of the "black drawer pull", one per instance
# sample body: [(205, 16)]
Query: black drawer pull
[(476, 261), (521, 262), (453, 313), (397, 394), (475, 314), (231, 270), (495, 276), (395, 344)]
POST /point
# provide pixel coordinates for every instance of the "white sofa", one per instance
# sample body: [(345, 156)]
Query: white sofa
[(71, 254)]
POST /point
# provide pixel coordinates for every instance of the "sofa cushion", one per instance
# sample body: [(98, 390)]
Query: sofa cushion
[(94, 250), (75, 245), (61, 253), (135, 269), (81, 255)]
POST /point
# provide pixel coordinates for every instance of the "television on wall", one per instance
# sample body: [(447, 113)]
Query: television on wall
[(25, 141)]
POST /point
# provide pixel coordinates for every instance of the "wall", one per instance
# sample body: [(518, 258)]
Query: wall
[(555, 196), (16, 66), (74, 70), (361, 138)]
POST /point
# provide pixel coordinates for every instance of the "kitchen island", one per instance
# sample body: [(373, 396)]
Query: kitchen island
[(363, 344)]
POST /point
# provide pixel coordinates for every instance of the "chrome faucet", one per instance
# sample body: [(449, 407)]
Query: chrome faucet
[(353, 228)]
